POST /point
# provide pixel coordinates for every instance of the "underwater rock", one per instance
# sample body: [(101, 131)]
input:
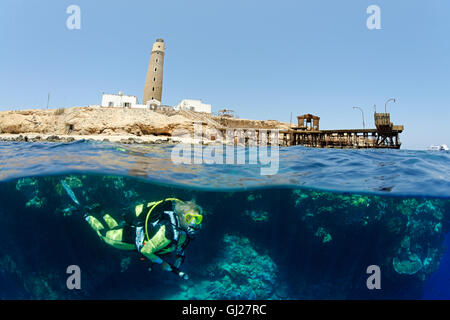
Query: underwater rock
[(438, 227), (243, 271), (424, 230), (322, 233), (412, 230), (300, 196), (254, 207), (67, 211), (30, 188), (73, 182), (238, 273), (7, 264), (405, 243), (257, 215), (124, 264), (429, 209), (39, 288), (360, 201), (36, 202), (282, 292), (35, 285), (254, 196), (409, 267), (130, 194), (117, 182), (395, 225), (26, 183)]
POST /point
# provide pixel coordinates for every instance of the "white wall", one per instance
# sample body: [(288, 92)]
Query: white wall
[(153, 102), (194, 105), (139, 106), (118, 100)]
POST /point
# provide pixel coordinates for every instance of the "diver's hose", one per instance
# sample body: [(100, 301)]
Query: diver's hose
[(150, 212)]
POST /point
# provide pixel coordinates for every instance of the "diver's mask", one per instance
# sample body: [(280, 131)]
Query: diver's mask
[(193, 221)]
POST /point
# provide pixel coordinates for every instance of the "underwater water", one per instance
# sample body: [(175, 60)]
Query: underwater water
[(310, 231)]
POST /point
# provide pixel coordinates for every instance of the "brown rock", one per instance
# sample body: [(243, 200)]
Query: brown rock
[(113, 121)]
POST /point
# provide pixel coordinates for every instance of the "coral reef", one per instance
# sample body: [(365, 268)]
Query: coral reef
[(239, 272), (35, 202), (29, 187), (323, 234), (257, 215), (36, 286), (125, 264), (258, 244), (410, 266), (254, 209), (25, 183), (414, 227), (74, 182), (419, 249)]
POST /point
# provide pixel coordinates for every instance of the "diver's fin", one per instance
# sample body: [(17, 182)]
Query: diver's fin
[(70, 192)]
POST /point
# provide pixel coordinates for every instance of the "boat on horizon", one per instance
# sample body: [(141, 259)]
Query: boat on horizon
[(442, 147)]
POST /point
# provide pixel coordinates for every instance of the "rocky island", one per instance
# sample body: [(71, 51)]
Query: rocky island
[(124, 125)]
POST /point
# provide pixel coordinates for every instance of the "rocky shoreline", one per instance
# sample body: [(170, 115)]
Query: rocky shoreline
[(119, 125), (101, 138)]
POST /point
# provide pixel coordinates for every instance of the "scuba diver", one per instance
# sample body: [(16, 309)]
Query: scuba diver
[(156, 230)]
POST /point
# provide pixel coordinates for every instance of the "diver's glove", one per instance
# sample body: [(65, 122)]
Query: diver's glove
[(183, 275), (177, 271)]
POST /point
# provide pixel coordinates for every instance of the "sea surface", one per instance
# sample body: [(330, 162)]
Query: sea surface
[(283, 223)]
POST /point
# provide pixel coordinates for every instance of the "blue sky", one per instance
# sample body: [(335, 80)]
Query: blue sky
[(264, 59)]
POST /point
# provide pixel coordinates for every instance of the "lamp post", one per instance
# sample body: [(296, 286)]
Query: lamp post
[(364, 124), (385, 105)]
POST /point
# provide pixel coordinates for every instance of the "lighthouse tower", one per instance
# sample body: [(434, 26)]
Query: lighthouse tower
[(154, 80)]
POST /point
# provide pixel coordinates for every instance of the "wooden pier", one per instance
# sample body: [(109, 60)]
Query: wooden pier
[(307, 133)]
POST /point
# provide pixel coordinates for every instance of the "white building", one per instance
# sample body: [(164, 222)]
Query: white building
[(124, 101), (193, 105), (119, 100)]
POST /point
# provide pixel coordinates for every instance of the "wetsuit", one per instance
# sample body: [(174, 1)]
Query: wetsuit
[(164, 232)]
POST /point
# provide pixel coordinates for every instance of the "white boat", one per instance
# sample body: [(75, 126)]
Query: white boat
[(442, 147)]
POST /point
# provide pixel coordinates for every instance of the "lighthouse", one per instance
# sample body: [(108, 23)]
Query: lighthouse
[(154, 79)]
